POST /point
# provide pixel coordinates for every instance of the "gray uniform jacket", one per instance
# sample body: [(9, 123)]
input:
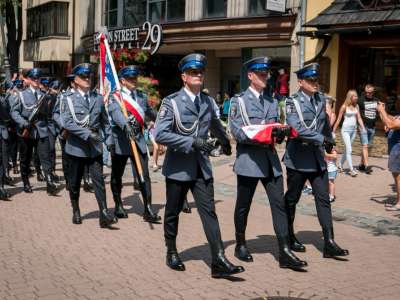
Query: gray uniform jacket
[(5, 118), (78, 142), (181, 160), (118, 122), (254, 159), (51, 103), (306, 152), (23, 103)]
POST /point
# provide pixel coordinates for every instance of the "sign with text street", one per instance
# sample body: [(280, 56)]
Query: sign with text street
[(146, 37)]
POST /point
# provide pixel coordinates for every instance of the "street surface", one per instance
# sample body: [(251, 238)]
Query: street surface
[(44, 256)]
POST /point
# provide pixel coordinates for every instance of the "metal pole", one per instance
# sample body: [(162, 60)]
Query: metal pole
[(3, 39), (303, 12)]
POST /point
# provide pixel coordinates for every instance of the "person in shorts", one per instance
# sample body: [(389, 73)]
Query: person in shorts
[(367, 104)]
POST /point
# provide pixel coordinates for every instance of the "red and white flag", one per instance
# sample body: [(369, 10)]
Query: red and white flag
[(263, 133)]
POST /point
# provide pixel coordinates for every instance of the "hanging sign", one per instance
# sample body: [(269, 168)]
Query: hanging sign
[(146, 37)]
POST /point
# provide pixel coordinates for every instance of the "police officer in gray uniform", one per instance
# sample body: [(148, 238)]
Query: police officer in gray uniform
[(123, 132), (259, 161), (84, 115), (304, 156), (182, 125), (33, 134), (5, 119)]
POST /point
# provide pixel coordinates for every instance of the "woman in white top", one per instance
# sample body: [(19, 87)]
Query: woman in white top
[(352, 118)]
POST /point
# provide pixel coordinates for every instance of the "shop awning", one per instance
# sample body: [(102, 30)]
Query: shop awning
[(346, 16)]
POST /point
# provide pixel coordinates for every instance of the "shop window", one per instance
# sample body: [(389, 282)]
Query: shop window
[(50, 19), (161, 11), (214, 8), (259, 8), (134, 12)]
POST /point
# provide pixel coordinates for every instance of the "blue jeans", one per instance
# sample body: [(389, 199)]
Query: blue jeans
[(367, 136), (348, 136)]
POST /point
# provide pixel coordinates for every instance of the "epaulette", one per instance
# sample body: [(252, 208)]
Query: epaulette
[(141, 93), (239, 94), (172, 95), (67, 93)]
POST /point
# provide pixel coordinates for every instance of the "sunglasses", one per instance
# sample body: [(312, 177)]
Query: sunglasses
[(195, 72)]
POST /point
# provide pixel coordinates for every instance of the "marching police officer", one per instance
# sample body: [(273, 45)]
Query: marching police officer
[(83, 115), (304, 156), (259, 161), (182, 125), (54, 87), (124, 131), (32, 132), (60, 129), (5, 119)]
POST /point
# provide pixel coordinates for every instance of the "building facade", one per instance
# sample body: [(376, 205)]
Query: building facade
[(59, 34)]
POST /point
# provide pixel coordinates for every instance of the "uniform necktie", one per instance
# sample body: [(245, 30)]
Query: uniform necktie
[(312, 100), (261, 100), (133, 96), (36, 95), (87, 98), (197, 103)]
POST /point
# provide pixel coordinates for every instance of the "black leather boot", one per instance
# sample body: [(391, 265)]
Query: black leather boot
[(241, 250), (294, 244), (149, 215), (27, 185), (220, 266), (186, 208), (55, 177), (287, 259), (39, 175), (105, 218), (4, 195), (331, 249), (173, 260), (76, 212), (51, 186), (15, 169), (119, 210)]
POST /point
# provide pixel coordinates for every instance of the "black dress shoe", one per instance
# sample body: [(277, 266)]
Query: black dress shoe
[(106, 220), (241, 250), (221, 267), (287, 259), (294, 244), (136, 186), (149, 214), (331, 249), (173, 260)]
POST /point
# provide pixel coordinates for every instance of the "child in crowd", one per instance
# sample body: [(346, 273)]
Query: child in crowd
[(330, 159)]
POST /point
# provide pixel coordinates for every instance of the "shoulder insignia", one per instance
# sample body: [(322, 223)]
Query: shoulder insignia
[(239, 94), (172, 95), (290, 108), (163, 112), (233, 111)]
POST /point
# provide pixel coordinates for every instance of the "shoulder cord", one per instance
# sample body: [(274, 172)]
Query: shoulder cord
[(178, 123), (81, 123), (243, 112), (300, 114), (24, 104)]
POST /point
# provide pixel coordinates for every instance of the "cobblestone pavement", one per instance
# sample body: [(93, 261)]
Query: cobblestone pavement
[(44, 256)]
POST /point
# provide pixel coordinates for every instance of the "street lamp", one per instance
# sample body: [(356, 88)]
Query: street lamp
[(3, 39)]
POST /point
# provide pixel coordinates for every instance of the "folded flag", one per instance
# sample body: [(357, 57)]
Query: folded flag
[(263, 133)]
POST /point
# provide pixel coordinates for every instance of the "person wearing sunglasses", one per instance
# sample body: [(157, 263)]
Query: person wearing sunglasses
[(84, 117), (183, 122), (32, 133), (304, 156)]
